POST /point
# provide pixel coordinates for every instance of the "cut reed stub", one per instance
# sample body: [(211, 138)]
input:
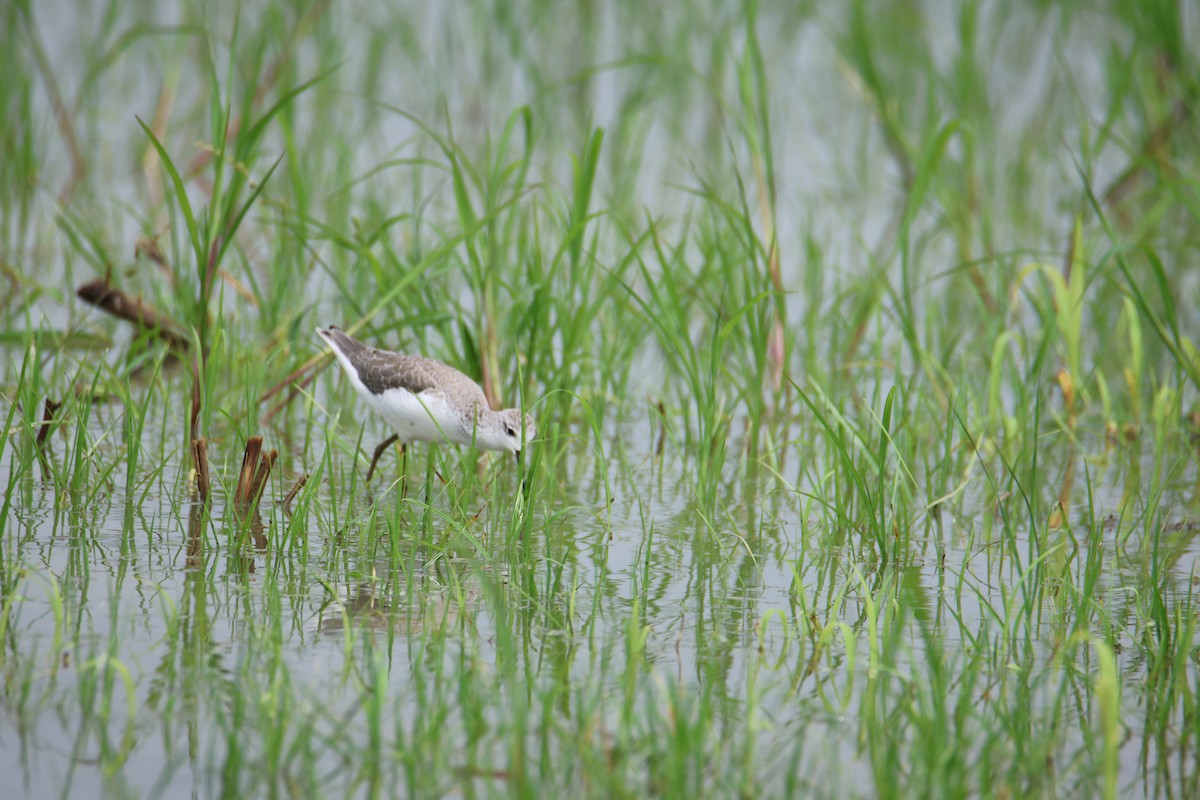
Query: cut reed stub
[(256, 469), (200, 458), (112, 300)]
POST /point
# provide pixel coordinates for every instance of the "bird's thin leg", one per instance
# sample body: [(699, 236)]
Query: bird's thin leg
[(403, 471), (379, 452)]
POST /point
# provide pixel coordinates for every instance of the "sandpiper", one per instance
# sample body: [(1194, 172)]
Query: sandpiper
[(425, 400)]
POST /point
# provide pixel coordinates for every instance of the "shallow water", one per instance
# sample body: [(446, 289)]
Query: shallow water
[(125, 583)]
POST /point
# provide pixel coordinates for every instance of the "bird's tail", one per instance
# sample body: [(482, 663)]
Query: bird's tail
[(339, 340)]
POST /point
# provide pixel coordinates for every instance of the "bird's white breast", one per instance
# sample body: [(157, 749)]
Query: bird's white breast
[(426, 417)]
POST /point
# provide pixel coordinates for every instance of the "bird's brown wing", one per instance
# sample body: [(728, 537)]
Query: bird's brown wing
[(380, 370)]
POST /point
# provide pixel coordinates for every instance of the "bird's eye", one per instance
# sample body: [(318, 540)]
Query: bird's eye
[(510, 431)]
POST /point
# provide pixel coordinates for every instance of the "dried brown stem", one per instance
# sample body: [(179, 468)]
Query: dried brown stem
[(108, 298), (269, 77), (47, 418), (1151, 153), (291, 495), (195, 418), (148, 248), (314, 365), (200, 457), (315, 361), (662, 429), (195, 537)]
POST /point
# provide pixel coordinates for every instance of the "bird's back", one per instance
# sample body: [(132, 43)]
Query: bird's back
[(380, 370)]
